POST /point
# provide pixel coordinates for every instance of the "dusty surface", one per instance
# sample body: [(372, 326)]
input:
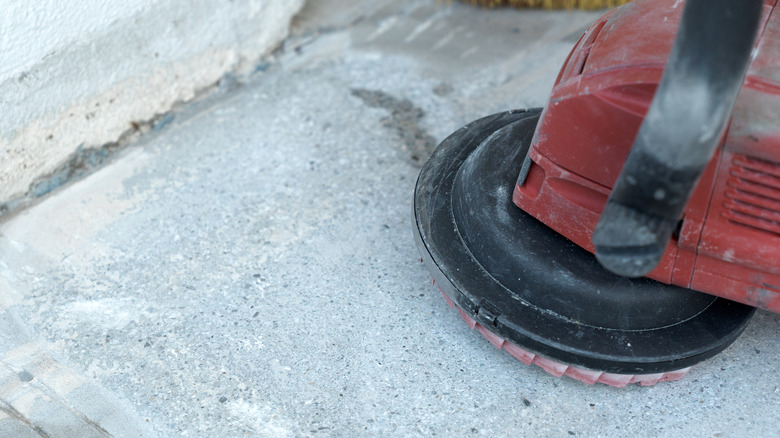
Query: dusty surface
[(250, 269)]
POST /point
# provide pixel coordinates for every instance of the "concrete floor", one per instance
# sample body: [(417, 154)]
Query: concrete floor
[(249, 269)]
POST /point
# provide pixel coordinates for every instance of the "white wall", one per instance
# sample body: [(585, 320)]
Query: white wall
[(78, 72)]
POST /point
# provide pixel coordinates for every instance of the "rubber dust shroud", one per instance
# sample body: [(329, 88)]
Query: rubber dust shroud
[(525, 283)]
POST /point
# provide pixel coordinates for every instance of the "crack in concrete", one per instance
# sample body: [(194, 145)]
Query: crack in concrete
[(16, 415)]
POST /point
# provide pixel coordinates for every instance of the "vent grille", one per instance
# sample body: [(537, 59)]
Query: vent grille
[(753, 194), (578, 58)]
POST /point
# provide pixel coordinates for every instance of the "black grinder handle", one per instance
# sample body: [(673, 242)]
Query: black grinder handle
[(679, 134)]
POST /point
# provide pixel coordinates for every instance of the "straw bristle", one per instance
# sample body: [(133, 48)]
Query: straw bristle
[(549, 4)]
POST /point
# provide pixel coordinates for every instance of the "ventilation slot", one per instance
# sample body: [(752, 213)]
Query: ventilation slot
[(578, 58), (753, 195), (587, 45)]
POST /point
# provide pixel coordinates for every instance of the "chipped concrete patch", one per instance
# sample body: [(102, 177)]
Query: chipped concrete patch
[(64, 230)]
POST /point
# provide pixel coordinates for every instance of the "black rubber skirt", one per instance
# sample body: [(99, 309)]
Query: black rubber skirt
[(535, 288)]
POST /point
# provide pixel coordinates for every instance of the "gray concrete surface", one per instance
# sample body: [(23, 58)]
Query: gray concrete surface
[(249, 269)]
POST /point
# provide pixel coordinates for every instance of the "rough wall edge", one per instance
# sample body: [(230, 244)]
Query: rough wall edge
[(89, 132)]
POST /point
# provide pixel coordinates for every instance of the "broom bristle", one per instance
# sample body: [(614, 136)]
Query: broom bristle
[(549, 4)]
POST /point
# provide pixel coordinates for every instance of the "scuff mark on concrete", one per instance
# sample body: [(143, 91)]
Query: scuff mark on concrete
[(404, 119)]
